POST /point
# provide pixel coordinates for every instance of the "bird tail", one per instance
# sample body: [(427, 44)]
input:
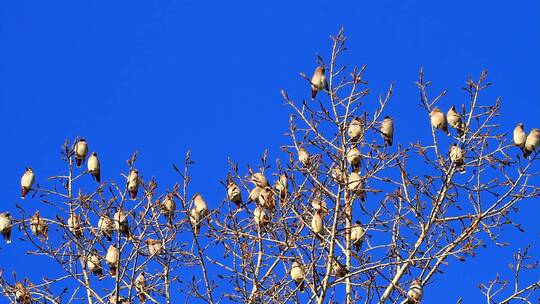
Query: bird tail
[(79, 162), (313, 93), (113, 271), (7, 237), (24, 191), (133, 194), (526, 153), (142, 296)]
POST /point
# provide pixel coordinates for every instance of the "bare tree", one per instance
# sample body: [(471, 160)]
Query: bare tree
[(351, 214)]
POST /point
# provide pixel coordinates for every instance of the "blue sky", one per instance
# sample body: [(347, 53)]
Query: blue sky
[(162, 77)]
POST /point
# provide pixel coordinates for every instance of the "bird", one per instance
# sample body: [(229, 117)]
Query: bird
[(355, 129), (155, 247), (38, 226), (339, 175), (195, 220), (303, 157), (355, 184), (133, 183), (105, 226), (317, 225), (438, 120), (353, 158), (141, 286), (454, 120), (93, 263), (200, 205), (150, 191), (93, 167), (357, 235), (519, 136), (387, 130), (6, 224), (415, 292), (260, 217), (254, 194), (27, 181), (282, 186), (112, 258), (81, 149), (121, 223), (338, 269), (318, 82), (74, 225), (457, 156), (22, 294), (234, 194), (319, 205), (168, 207), (266, 199), (532, 142), (259, 180), (298, 274)]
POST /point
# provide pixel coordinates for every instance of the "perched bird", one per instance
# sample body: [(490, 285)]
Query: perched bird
[(74, 225), (319, 205), (519, 136), (93, 167), (357, 235), (168, 207), (259, 180), (201, 206), (454, 120), (318, 82), (121, 223), (81, 149), (317, 225), (133, 183), (415, 292), (339, 270), (150, 191), (93, 263), (112, 258), (355, 129), (298, 274), (38, 226), (355, 184), (27, 181), (141, 286), (254, 194), (6, 224), (338, 175), (266, 199), (234, 194), (457, 156), (303, 157), (438, 120), (282, 187), (106, 226), (353, 158), (155, 247), (261, 217), (387, 130), (532, 142), (22, 294), (195, 220)]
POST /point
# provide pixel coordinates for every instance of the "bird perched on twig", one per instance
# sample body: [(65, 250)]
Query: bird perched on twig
[(234, 194), (355, 184), (93, 167), (318, 81), (355, 129), (317, 225), (81, 149), (27, 181), (93, 263), (298, 274), (532, 143), (454, 120), (112, 258), (387, 130), (133, 183), (415, 292), (438, 120), (105, 226), (6, 224), (519, 136), (141, 286), (354, 158), (38, 226), (357, 235)]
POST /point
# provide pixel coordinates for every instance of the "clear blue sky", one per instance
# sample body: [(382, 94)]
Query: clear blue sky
[(162, 77)]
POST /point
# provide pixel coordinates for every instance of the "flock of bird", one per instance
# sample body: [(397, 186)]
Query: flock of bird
[(262, 194)]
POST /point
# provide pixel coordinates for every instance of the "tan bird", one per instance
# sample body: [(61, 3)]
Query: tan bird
[(259, 180), (141, 286), (93, 167), (338, 175), (282, 187), (6, 224), (260, 217), (105, 226), (201, 206), (519, 136), (319, 205), (339, 270), (168, 207), (303, 157), (457, 156), (254, 194), (454, 120), (27, 181), (121, 223), (355, 129), (318, 82), (387, 130), (38, 226), (298, 274), (112, 258), (532, 142), (155, 247), (415, 293), (150, 191), (22, 294), (356, 185), (317, 225), (354, 158), (234, 194), (266, 199), (93, 264), (195, 219), (357, 235), (133, 183), (81, 149), (74, 225), (438, 120)]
